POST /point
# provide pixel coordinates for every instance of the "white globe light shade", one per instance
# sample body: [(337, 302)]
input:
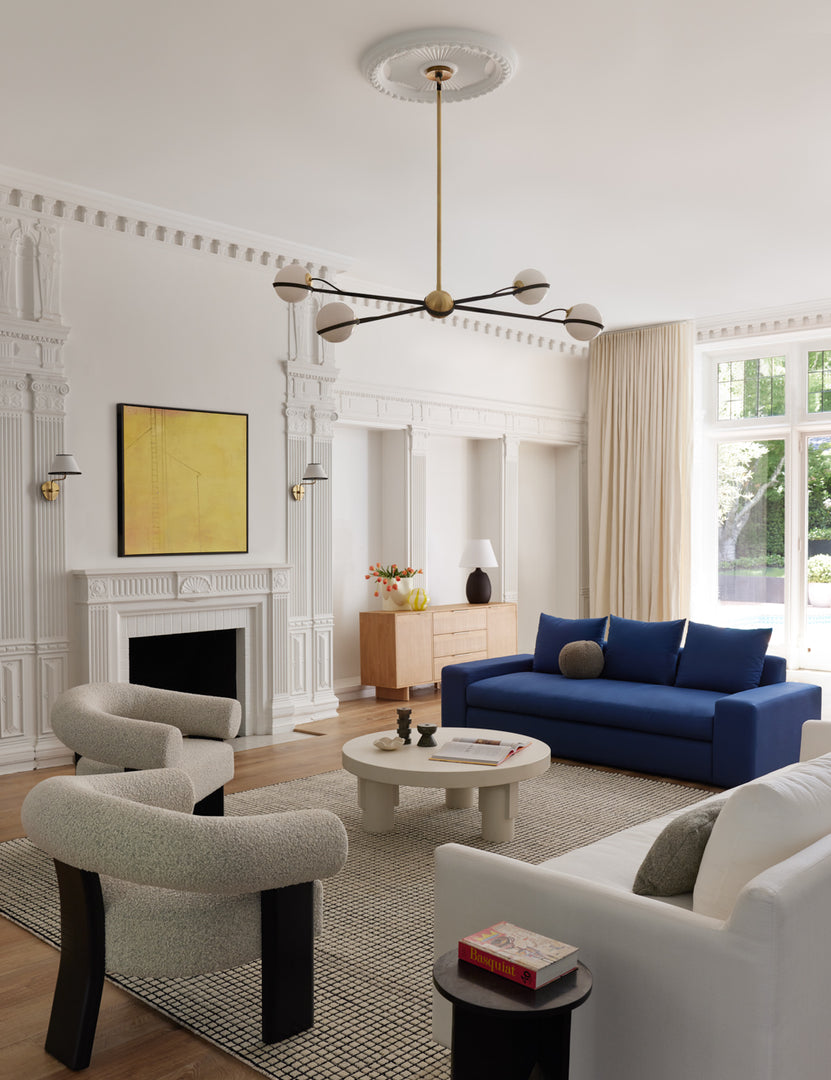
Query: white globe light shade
[(580, 330), (331, 315), (531, 277), (292, 283)]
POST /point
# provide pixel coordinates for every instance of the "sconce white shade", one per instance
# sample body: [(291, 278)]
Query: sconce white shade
[(531, 277), (478, 553), (293, 283), (314, 471), (64, 465), (334, 315)]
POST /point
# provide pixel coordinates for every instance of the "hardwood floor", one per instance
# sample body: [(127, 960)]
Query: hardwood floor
[(134, 1042)]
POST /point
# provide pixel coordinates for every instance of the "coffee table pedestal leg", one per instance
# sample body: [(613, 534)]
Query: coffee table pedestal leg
[(378, 802), (458, 798), (498, 806), (509, 1049)]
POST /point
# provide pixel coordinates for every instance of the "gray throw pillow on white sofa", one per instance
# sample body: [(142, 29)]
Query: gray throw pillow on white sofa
[(671, 864)]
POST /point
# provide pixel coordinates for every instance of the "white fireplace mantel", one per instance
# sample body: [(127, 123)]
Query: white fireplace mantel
[(113, 606)]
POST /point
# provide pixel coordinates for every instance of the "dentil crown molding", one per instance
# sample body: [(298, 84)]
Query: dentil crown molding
[(807, 317)]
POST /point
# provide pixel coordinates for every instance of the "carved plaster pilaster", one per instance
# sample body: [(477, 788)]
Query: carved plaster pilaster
[(418, 442), (510, 518), (14, 486), (29, 268), (323, 422), (49, 395), (13, 393)]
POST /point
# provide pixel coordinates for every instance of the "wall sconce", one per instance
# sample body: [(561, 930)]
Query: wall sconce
[(64, 465), (478, 553), (313, 472)]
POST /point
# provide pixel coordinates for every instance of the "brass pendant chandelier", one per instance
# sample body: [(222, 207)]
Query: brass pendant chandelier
[(405, 66)]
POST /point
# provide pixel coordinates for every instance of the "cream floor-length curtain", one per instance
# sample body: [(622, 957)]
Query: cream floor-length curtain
[(639, 458)]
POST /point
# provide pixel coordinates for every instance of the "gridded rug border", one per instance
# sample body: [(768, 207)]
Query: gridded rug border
[(373, 959)]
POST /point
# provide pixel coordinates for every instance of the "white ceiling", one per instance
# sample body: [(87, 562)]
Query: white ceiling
[(659, 160)]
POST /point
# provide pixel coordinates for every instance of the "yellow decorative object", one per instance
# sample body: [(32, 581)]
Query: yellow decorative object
[(419, 599)]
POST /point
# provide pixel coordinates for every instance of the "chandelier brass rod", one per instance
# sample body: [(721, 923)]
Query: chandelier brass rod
[(438, 183)]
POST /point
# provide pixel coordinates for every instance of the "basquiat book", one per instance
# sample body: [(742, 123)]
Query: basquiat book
[(518, 954)]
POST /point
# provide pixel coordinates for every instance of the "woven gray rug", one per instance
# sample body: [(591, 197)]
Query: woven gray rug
[(373, 960)]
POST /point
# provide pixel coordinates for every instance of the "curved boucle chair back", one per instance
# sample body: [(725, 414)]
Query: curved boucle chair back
[(139, 727), (138, 827)]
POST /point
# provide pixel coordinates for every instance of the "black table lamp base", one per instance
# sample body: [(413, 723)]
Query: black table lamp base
[(478, 589)]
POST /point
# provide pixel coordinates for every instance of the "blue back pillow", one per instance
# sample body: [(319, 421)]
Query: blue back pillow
[(721, 658), (643, 651), (554, 633)]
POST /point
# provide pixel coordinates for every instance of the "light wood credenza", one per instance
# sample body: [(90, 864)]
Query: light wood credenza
[(400, 649)]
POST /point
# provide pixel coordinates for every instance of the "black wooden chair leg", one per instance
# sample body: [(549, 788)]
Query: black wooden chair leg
[(287, 920), (212, 805), (81, 971)]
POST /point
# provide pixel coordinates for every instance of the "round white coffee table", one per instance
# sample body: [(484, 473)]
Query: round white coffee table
[(380, 772)]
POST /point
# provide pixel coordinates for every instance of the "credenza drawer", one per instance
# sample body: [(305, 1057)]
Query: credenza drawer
[(441, 661), (401, 649), (455, 622), (454, 644)]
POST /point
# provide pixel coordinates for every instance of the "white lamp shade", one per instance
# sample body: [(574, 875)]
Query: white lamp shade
[(314, 471), (478, 553), (531, 277), (332, 315), (580, 330), (293, 283), (64, 465)]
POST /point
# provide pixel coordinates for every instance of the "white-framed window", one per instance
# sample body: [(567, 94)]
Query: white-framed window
[(762, 492)]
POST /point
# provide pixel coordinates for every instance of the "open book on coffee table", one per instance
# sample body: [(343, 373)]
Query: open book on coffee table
[(474, 751)]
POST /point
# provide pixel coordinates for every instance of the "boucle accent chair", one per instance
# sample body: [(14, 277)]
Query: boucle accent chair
[(124, 726), (150, 890)]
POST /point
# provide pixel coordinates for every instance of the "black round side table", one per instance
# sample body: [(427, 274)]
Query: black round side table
[(502, 1029)]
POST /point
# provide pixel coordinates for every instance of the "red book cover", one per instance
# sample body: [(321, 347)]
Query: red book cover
[(527, 958)]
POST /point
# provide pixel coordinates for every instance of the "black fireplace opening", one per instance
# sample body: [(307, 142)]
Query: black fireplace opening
[(197, 663)]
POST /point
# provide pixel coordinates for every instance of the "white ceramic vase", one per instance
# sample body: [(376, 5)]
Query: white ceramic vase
[(396, 598)]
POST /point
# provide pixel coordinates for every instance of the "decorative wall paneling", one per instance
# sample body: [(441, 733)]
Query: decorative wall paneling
[(34, 632), (310, 428)]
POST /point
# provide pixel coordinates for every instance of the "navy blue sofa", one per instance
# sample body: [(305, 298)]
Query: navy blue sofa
[(685, 731)]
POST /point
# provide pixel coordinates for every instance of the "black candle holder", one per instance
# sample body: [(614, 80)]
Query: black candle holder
[(404, 725), (427, 731)]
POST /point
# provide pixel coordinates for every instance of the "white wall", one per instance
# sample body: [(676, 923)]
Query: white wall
[(451, 486), (155, 325), (549, 527), (356, 512)]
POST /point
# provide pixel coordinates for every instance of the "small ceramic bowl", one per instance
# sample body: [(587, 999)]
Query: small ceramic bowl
[(387, 742)]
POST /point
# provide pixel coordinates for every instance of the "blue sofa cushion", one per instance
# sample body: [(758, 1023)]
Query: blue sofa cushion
[(721, 658), (645, 652), (661, 710), (553, 633)]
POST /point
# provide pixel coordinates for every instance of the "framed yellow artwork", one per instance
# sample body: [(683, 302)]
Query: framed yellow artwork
[(182, 481)]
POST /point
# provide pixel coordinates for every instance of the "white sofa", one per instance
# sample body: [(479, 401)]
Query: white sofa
[(680, 992)]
